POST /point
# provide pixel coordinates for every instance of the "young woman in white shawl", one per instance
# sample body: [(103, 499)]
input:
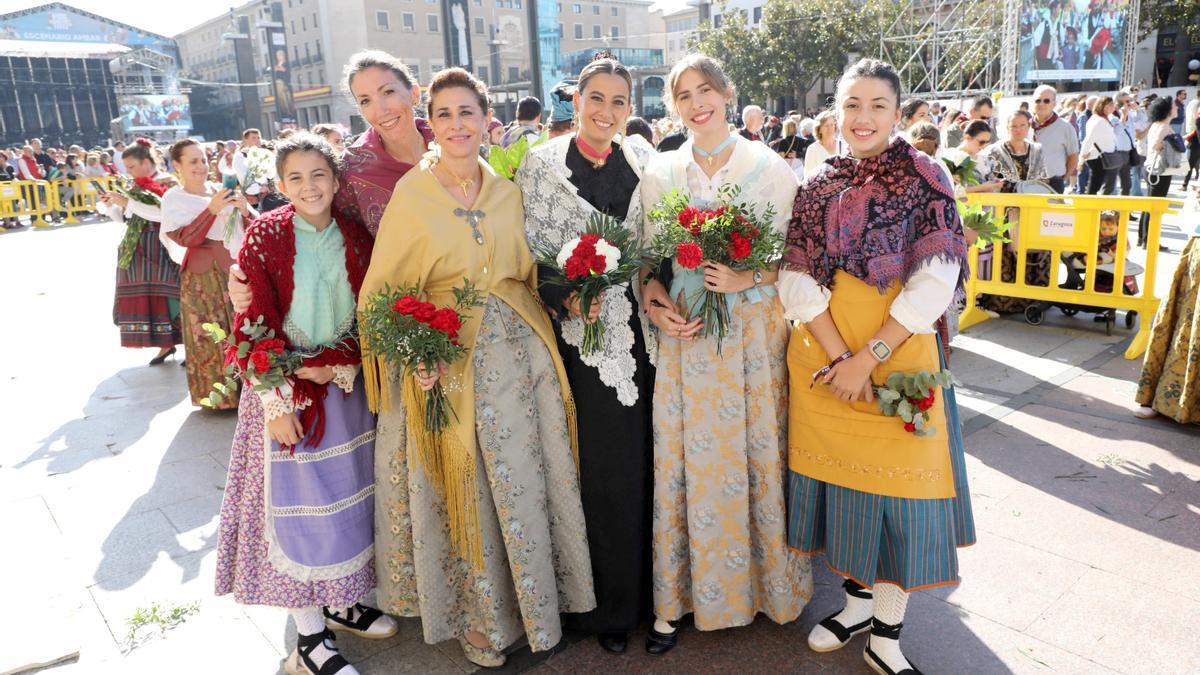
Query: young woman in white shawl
[(720, 418), (206, 223), (564, 183)]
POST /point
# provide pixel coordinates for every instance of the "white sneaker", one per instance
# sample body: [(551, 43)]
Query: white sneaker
[(1145, 412)]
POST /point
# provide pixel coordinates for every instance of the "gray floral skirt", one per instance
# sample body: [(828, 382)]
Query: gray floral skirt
[(535, 553)]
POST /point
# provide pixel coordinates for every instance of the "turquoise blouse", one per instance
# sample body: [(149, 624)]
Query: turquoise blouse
[(323, 303)]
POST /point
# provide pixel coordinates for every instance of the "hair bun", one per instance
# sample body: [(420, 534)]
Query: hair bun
[(604, 54), (142, 140)]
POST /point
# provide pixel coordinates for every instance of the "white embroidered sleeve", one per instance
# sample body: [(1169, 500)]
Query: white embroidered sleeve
[(802, 297), (276, 401), (344, 375), (151, 213), (925, 297)]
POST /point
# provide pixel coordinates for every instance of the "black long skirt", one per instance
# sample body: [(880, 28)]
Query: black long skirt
[(616, 453)]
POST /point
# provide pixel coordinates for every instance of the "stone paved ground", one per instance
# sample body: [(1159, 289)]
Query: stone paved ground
[(110, 482)]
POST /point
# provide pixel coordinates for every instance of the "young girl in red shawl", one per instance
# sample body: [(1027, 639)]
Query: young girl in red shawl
[(297, 521)]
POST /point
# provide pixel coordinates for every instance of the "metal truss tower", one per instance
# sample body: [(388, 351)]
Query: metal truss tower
[(1131, 39), (949, 48)]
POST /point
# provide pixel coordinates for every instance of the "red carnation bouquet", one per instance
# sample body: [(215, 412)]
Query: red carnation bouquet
[(730, 233), (410, 333), (262, 356), (909, 396), (606, 254)]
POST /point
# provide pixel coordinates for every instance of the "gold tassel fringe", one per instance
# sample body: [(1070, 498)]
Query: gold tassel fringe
[(451, 468)]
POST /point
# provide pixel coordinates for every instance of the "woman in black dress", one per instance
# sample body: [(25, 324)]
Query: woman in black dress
[(565, 182)]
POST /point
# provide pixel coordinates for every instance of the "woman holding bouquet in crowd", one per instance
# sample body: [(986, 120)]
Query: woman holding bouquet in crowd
[(483, 537), (720, 408), (297, 521), (146, 308), (564, 183), (209, 223), (875, 255)]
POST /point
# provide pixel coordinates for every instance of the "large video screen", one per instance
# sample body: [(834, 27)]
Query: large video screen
[(155, 113), (1072, 40)]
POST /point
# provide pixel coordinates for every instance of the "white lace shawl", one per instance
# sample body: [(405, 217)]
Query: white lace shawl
[(554, 214)]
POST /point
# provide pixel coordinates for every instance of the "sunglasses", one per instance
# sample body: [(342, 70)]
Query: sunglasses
[(985, 141), (1044, 100)]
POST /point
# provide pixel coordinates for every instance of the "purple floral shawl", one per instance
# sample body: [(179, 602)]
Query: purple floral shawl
[(878, 219), (369, 177)]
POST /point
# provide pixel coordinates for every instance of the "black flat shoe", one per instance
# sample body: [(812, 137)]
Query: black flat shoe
[(616, 643), (658, 643), (157, 361)]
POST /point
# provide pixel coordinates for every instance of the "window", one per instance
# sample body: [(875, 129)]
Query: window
[(614, 11), (615, 33), (560, 31), (518, 3), (716, 20), (303, 23), (596, 10), (408, 22), (479, 3), (483, 74), (577, 9), (382, 20), (431, 22), (578, 31), (595, 32), (670, 46), (315, 20), (478, 26), (325, 114), (293, 28), (415, 68), (514, 73), (295, 53), (757, 14), (307, 54), (560, 8)]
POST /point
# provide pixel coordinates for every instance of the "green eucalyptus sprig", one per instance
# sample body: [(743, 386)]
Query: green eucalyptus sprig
[(909, 396)]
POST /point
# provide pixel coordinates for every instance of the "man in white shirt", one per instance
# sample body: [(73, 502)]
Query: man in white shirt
[(1059, 141), (118, 151)]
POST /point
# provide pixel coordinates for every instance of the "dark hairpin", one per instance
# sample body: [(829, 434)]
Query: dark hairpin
[(603, 54)]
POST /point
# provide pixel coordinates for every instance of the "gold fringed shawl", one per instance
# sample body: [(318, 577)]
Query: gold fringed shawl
[(422, 241)]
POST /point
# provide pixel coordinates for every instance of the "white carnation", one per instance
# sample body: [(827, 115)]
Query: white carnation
[(566, 252), (612, 255)]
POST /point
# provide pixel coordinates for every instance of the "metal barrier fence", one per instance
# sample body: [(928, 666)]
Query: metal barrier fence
[(37, 199), (1070, 224)]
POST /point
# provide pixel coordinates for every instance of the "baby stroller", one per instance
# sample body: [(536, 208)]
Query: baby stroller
[(1076, 264)]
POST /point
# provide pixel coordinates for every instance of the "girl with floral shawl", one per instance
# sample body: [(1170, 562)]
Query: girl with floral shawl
[(875, 255)]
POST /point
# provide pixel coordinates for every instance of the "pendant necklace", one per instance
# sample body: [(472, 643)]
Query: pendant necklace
[(463, 183), (597, 158), (711, 155)]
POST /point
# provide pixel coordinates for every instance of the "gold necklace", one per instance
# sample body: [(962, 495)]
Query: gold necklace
[(463, 183)]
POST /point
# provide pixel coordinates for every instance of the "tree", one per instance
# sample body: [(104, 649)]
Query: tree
[(799, 43), (1157, 14)]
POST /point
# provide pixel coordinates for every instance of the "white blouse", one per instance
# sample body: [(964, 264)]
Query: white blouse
[(922, 301), (1098, 137)]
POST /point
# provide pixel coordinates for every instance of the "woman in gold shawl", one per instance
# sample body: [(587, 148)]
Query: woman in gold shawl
[(483, 537)]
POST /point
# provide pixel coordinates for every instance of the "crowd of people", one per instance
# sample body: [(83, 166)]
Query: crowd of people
[(661, 475)]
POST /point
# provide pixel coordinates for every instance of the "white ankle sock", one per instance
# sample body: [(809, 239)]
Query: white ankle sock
[(856, 611), (890, 604), (310, 621), (663, 626)]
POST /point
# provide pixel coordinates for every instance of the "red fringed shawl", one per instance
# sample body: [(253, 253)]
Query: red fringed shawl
[(267, 259)]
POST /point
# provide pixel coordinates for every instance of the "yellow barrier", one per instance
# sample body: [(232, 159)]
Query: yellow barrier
[(79, 195), (1071, 224), (32, 198)]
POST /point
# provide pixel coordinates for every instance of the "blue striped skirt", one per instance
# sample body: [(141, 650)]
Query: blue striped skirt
[(912, 543)]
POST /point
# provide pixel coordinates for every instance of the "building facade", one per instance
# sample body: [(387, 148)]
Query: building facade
[(62, 79)]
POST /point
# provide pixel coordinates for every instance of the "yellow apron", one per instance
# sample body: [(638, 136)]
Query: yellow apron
[(853, 444)]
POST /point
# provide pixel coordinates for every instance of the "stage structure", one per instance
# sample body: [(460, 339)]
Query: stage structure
[(948, 48)]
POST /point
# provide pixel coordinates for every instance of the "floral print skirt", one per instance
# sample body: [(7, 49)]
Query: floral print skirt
[(720, 462), (535, 551), (203, 299), (1170, 381)]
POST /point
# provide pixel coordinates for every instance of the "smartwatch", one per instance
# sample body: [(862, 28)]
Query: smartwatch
[(880, 350)]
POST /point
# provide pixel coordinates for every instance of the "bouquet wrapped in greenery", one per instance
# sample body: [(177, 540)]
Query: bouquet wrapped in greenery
[(261, 357), (909, 396), (606, 254), (729, 233), (409, 333)]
